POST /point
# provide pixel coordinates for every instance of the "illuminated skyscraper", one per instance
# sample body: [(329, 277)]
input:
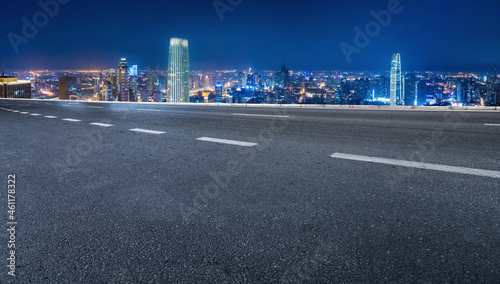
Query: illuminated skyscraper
[(123, 81), (396, 80), (178, 71)]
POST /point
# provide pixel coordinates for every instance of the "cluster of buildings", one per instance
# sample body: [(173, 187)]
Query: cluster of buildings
[(179, 84)]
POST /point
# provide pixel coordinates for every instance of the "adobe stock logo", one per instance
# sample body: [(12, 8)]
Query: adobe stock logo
[(382, 19), (29, 30), (222, 7)]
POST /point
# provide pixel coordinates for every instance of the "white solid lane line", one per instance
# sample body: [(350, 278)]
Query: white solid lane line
[(490, 124), (230, 142), (102, 124), (149, 109), (147, 131), (261, 115), (72, 120), (425, 166), (94, 107), (49, 116)]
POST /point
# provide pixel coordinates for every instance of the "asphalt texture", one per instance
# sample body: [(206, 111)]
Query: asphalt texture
[(101, 204)]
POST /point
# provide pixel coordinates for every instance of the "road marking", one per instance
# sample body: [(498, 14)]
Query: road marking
[(261, 115), (24, 112), (149, 109), (490, 124), (36, 114), (230, 142), (72, 120), (49, 116), (94, 107), (147, 131), (101, 124), (15, 111), (425, 166)]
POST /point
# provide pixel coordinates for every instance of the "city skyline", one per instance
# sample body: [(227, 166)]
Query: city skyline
[(304, 37)]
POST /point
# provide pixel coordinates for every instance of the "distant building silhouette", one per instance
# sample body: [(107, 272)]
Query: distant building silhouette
[(410, 90), (68, 88)]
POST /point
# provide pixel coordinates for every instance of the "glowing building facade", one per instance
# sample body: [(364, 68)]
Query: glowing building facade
[(178, 71), (396, 80)]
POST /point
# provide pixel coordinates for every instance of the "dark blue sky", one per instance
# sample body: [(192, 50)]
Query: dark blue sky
[(430, 35)]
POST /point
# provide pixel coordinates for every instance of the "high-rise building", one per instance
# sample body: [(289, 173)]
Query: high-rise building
[(410, 90), (218, 92), (123, 81), (107, 91), (396, 80), (178, 71), (68, 88), (421, 93)]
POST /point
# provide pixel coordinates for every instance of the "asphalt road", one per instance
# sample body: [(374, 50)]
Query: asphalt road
[(99, 203)]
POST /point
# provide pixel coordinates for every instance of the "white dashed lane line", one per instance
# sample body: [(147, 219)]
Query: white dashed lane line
[(147, 131), (24, 112), (95, 107), (229, 142), (49, 116), (490, 124), (101, 124), (260, 115), (72, 120), (418, 165), (36, 114), (150, 109)]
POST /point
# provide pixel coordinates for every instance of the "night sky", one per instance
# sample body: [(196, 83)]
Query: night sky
[(429, 34)]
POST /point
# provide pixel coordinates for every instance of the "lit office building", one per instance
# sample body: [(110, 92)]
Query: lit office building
[(107, 91), (178, 71), (218, 92), (396, 80), (11, 88)]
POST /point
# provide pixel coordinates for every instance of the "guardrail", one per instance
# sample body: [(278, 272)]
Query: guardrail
[(438, 108)]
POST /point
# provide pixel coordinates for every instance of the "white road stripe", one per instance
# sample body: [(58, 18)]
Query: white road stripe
[(49, 116), (261, 115), (230, 142), (101, 124), (36, 114), (24, 112), (94, 107), (72, 120), (15, 111), (425, 166), (147, 131), (490, 124), (149, 109)]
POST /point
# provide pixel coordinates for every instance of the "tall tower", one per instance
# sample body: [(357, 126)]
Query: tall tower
[(178, 71), (123, 81), (396, 80)]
